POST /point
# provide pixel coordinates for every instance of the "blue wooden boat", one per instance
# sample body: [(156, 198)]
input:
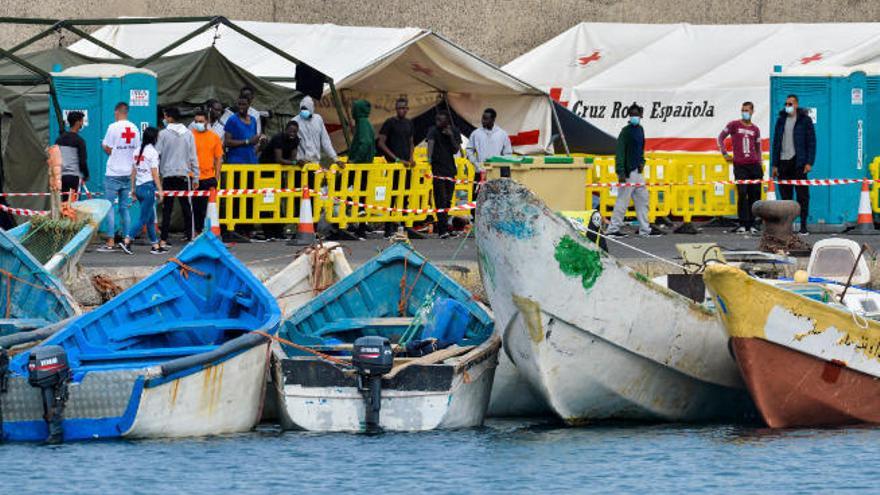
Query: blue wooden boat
[(400, 296), (35, 258), (184, 352)]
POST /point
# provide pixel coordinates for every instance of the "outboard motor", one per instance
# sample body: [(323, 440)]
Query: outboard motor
[(4, 380), (48, 370), (372, 357)]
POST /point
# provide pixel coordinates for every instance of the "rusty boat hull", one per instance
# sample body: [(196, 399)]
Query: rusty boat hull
[(806, 360)]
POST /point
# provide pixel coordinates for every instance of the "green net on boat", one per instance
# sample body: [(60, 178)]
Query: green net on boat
[(48, 235)]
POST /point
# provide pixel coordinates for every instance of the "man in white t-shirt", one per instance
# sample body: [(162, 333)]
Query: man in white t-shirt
[(121, 143)]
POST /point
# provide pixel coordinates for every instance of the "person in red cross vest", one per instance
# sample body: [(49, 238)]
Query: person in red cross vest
[(121, 142)]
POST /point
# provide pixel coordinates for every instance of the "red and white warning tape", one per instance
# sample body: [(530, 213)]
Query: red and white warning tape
[(24, 212)]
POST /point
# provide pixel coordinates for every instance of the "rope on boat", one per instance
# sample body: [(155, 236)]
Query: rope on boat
[(638, 250), (185, 269), (303, 348)]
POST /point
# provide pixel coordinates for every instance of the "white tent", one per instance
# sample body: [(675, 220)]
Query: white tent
[(691, 79), (379, 64)]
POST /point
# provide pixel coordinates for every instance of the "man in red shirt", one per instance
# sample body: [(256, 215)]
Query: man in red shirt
[(745, 139)]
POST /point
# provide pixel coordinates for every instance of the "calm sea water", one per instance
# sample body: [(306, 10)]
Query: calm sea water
[(504, 456)]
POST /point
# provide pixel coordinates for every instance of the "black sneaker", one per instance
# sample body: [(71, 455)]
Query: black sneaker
[(655, 232), (158, 250), (617, 234), (445, 235), (804, 232), (126, 247)]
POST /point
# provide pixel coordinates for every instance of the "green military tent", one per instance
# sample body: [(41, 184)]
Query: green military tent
[(186, 80)]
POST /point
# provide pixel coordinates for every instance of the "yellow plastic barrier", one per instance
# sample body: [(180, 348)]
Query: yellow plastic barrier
[(265, 208), (874, 169), (380, 184), (603, 171), (389, 185), (686, 193)]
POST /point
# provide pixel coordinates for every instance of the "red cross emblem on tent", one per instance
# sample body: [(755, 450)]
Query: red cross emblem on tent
[(128, 135), (812, 58), (417, 67), (587, 59), (556, 95)]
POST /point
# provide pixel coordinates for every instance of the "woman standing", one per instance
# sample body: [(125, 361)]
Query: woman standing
[(145, 183)]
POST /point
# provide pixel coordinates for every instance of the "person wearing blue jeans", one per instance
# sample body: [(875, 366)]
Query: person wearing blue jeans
[(146, 183), (117, 190), (121, 142)]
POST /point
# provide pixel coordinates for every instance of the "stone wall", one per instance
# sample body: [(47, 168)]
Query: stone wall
[(498, 30)]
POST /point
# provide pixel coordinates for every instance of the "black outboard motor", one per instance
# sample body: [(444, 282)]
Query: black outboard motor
[(372, 357), (4, 381), (48, 370)]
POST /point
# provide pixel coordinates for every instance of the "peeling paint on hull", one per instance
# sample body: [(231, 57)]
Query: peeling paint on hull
[(806, 362), (618, 349), (341, 409), (223, 398)]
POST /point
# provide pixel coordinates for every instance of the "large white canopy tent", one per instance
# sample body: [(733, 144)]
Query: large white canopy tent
[(379, 64), (691, 79)]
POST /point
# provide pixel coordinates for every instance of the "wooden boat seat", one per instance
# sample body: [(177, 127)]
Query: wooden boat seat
[(145, 354), (351, 324)]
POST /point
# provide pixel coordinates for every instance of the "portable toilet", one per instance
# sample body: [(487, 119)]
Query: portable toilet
[(836, 99), (95, 89)]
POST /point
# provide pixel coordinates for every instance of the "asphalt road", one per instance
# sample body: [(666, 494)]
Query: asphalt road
[(445, 251)]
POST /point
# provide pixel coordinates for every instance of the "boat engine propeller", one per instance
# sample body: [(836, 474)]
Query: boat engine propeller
[(49, 371), (372, 357)]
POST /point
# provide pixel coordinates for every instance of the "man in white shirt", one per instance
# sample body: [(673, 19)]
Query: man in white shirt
[(121, 142), (487, 141)]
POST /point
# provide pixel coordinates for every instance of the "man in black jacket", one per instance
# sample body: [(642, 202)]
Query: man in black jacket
[(74, 162), (794, 152)]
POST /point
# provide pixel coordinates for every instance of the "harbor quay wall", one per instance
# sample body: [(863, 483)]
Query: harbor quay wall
[(497, 30), (467, 273)]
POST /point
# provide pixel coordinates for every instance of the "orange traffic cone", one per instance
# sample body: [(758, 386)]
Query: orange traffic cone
[(305, 231), (212, 217), (771, 190), (865, 221)]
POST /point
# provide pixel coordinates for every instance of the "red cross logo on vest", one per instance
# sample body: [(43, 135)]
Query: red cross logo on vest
[(128, 135), (812, 58), (417, 67), (594, 57)]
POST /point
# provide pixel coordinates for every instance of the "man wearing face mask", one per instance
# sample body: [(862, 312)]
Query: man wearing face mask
[(213, 110), (629, 164), (794, 152), (314, 142), (209, 150), (746, 143)]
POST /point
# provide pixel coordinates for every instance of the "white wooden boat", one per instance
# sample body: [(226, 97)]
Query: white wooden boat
[(398, 295), (313, 271), (596, 340)]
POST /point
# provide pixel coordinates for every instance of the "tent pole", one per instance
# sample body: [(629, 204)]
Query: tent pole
[(137, 21), (35, 38), (180, 41), (336, 101), (341, 111), (53, 97), (86, 36), (559, 125), (46, 78)]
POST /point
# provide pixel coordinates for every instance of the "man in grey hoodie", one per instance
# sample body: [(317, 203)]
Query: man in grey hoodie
[(314, 142), (179, 169)]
